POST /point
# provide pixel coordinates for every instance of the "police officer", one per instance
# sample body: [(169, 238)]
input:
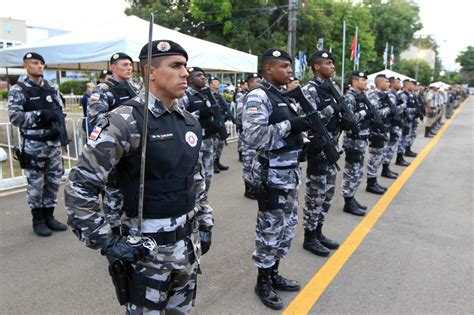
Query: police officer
[(408, 98), (167, 282), (320, 176), (247, 153), (272, 127), (32, 103), (224, 108), (106, 97), (378, 139), (104, 76), (395, 131), (355, 146), (197, 103)]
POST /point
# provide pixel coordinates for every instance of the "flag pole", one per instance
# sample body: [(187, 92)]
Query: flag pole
[(355, 48), (358, 56), (343, 54)]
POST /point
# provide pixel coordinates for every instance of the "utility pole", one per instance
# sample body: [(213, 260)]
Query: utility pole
[(292, 18)]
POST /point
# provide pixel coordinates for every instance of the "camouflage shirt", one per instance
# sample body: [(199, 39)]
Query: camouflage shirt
[(410, 111), (374, 97), (102, 99), (26, 120), (266, 138), (395, 98), (88, 177), (350, 98)]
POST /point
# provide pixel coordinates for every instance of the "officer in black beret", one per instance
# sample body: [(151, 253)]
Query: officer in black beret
[(273, 128), (33, 105), (320, 175), (162, 271), (104, 76)]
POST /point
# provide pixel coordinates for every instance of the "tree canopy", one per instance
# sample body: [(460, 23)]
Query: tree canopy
[(466, 60)]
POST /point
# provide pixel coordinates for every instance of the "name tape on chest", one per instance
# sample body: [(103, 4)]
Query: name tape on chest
[(161, 137)]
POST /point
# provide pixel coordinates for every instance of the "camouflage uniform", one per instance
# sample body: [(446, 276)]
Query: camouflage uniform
[(239, 100), (279, 172), (44, 175), (103, 100), (320, 176), (175, 267), (408, 99), (225, 112), (206, 154), (394, 131), (355, 147)]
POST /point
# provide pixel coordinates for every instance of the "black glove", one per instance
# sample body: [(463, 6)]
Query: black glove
[(47, 116), (298, 124), (205, 235), (117, 246), (205, 112)]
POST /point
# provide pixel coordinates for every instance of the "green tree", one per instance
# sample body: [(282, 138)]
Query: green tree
[(408, 68), (466, 60)]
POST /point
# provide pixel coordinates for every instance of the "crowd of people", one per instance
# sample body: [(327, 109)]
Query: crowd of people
[(155, 222)]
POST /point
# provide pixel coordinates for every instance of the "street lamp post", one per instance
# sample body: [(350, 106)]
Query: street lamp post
[(419, 56)]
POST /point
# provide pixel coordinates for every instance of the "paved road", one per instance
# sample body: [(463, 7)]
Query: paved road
[(417, 258)]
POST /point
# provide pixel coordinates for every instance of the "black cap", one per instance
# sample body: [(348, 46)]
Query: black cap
[(163, 48), (120, 56), (104, 73), (275, 53), (359, 74), (214, 78), (252, 76), (33, 55), (321, 54), (195, 69)]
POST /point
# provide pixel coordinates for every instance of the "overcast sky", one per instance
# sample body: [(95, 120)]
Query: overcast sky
[(448, 21)]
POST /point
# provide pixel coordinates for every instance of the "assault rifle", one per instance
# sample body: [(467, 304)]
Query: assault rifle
[(317, 126), (397, 120), (60, 126), (347, 113), (374, 114), (216, 114)]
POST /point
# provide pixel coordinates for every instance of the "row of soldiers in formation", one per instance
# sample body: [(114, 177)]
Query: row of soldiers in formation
[(162, 256)]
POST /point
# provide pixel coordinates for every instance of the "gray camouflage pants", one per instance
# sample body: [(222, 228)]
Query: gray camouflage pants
[(44, 177), (247, 160), (318, 196), (276, 227), (177, 298), (374, 161), (206, 155), (392, 145), (218, 147), (113, 200), (413, 130), (407, 139), (353, 171)]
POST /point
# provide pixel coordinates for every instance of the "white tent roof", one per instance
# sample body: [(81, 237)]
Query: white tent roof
[(388, 74), (91, 47), (440, 85)]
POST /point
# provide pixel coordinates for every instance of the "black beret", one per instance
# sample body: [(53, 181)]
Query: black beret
[(275, 53), (407, 81), (120, 56), (33, 55), (104, 73), (213, 78), (359, 74), (252, 76), (321, 54), (195, 69), (163, 48)]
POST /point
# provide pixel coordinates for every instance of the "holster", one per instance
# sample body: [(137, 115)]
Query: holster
[(317, 166), (119, 271), (268, 198), (377, 141)]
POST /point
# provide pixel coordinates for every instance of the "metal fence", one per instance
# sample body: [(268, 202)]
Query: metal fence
[(12, 176)]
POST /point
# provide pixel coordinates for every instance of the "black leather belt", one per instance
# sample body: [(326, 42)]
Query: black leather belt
[(181, 233)]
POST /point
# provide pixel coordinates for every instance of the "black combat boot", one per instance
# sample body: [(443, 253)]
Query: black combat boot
[(351, 207), (312, 244), (387, 172), (373, 186), (409, 152), (264, 290), (240, 157), (281, 283), (428, 132), (328, 243), (249, 192), (216, 168), (220, 166), (51, 222), (39, 224), (360, 205), (401, 161)]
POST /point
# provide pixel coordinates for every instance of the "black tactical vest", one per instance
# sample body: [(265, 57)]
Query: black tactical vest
[(40, 98), (282, 109), (411, 103), (364, 123), (122, 91), (172, 153), (199, 101), (327, 99)]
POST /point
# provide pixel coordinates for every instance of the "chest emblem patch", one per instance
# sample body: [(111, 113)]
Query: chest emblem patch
[(191, 138)]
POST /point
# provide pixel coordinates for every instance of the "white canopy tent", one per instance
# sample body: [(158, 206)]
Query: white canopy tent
[(91, 47), (440, 85), (388, 74)]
